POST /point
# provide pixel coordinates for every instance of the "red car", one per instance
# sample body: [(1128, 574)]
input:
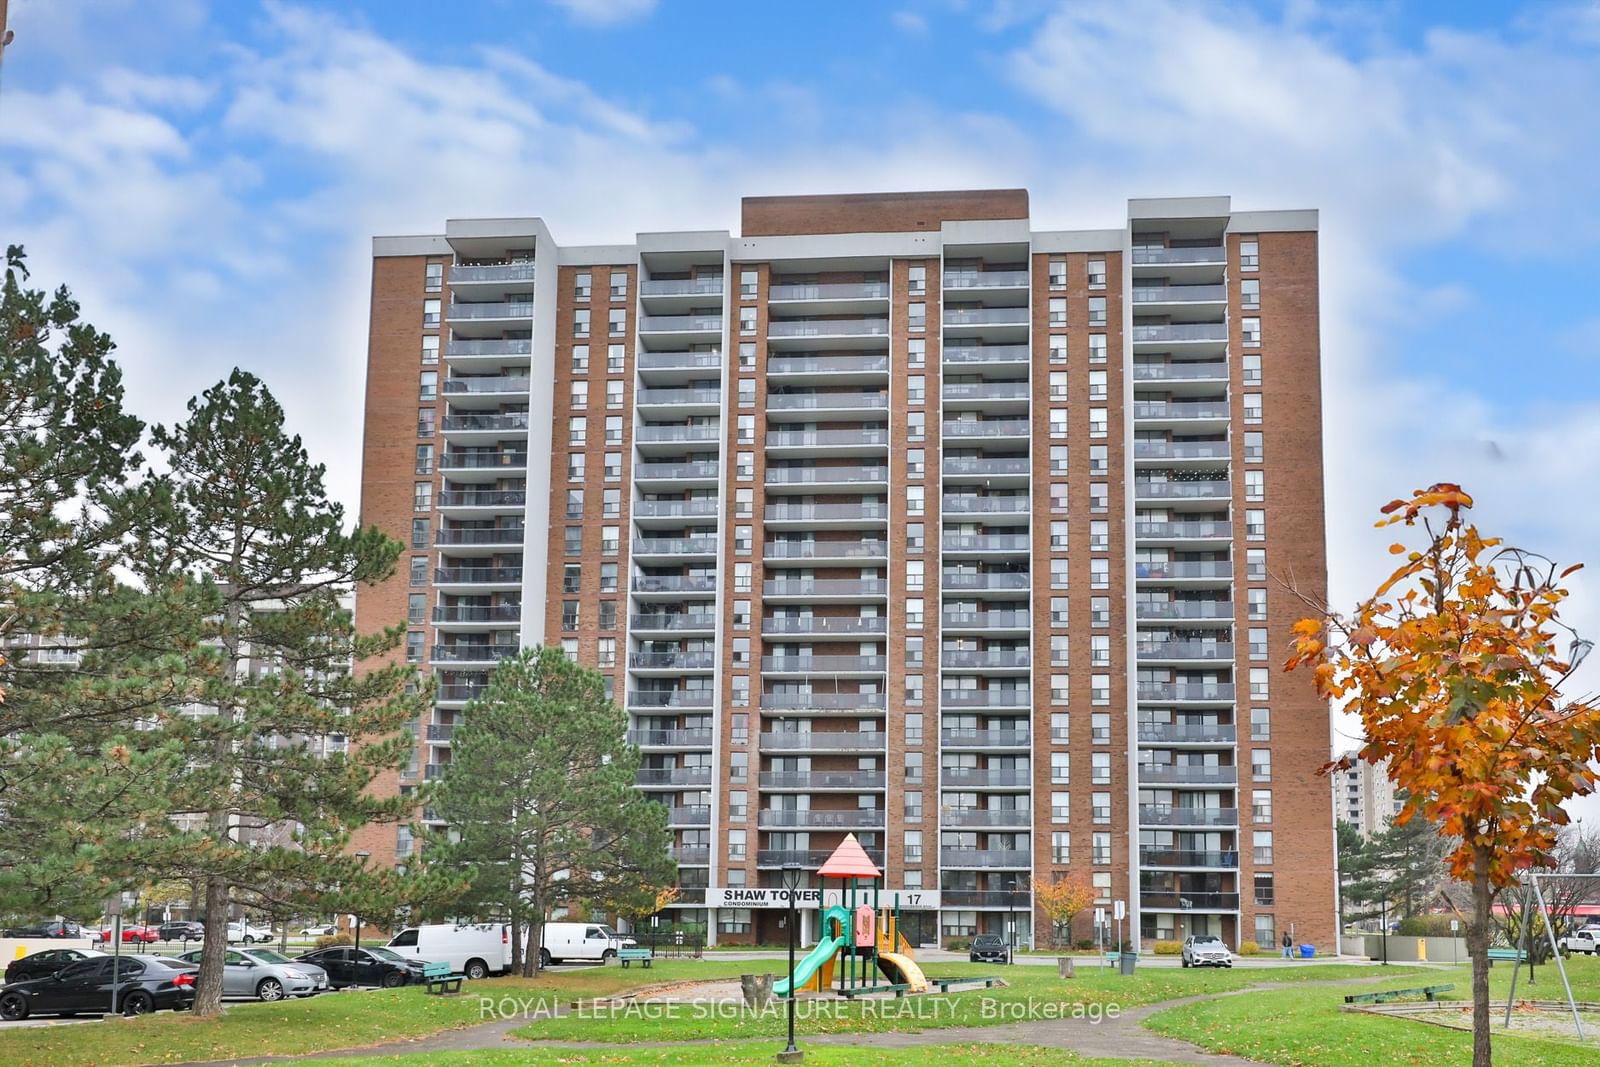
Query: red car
[(147, 934)]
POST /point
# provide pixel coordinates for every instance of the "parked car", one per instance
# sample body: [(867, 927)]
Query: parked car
[(989, 948), (132, 934), (581, 941), (248, 932), (1585, 939), (54, 928), (46, 963), (348, 966), (265, 975), (319, 931), (1206, 950), (143, 984), (477, 950), (181, 931)]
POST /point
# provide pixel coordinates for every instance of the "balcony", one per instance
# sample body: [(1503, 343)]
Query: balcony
[(1180, 450), (986, 468), (1165, 900), (1202, 254), (843, 625), (958, 737), (985, 581), (698, 471), (986, 818), (674, 546), (709, 285), (985, 428), (693, 856), (669, 434), (671, 698), (483, 498), (511, 421), (994, 659), (823, 664), (1184, 733), (830, 550), (674, 583), (1181, 371), (986, 543), (808, 858), (704, 398), (977, 392), (826, 587), (982, 778), (698, 508), (1185, 609), (673, 622), (690, 815), (462, 348), (818, 741), (477, 575), (987, 354), (1010, 899), (480, 535), (1178, 410), (491, 272), (440, 731), (848, 702), (434, 771), (850, 819), (984, 698), (1197, 568), (685, 660), (986, 505), (1186, 815), (1187, 774), (680, 324), (1184, 857), (1179, 294), (670, 738), (777, 366), (465, 653), (985, 857), (492, 309), (829, 291), (459, 692), (841, 401), (1218, 489), (866, 511), (986, 279), (1211, 651), (986, 620), (1017, 316), (823, 779), (842, 475), (470, 461), (673, 776), (781, 328), (449, 613), (485, 383), (1205, 692), (1193, 529), (865, 436), (681, 360)]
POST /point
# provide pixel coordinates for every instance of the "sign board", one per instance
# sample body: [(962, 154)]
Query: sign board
[(1099, 916), (738, 896), (1455, 924), (1119, 910)]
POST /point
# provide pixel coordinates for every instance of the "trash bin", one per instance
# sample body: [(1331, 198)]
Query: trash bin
[(1307, 951), (1126, 962)]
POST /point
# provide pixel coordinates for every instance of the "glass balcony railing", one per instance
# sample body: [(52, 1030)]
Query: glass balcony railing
[(974, 505), (492, 272), (674, 583), (986, 279), (655, 509), (823, 664), (982, 777), (1181, 331), (823, 701), (984, 698), (826, 438), (969, 659), (1186, 815), (987, 468), (1186, 857), (1164, 691), (827, 401), (669, 738), (847, 818), (865, 549), (868, 364), (679, 360), (831, 291), (828, 328), (976, 391), (683, 659), (515, 420), (817, 741), (984, 738), (986, 542), (1018, 899), (646, 397), (472, 653), (674, 546), (993, 580), (986, 428), (986, 620), (1178, 294), (488, 383), (850, 625), (673, 776), (1179, 372), (987, 354), (1193, 490), (1180, 450), (700, 469), (1195, 528), (985, 818), (985, 857), (473, 575), (1200, 254), (1206, 650), (670, 698), (1185, 774), (823, 779), (1180, 409), (481, 460), (814, 475), (1201, 733), (825, 587), (1184, 900), (670, 433), (488, 346), (671, 622), (477, 613), (985, 316), (706, 285), (825, 512), (1207, 568), (494, 309), (492, 535), (1185, 609), (681, 323)]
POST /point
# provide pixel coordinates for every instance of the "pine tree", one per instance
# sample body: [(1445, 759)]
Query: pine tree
[(541, 790), (252, 560)]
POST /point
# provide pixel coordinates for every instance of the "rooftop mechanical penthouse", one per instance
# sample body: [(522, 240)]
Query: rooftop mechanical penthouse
[(893, 515)]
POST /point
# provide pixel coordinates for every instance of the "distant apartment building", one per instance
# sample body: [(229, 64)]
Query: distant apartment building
[(1364, 797), (891, 515)]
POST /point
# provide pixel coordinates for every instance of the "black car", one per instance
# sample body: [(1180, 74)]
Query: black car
[(55, 928), (44, 964), (182, 931), (143, 984), (989, 948), (348, 966)]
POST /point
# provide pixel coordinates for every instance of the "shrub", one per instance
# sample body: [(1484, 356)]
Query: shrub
[(958, 944), (1086, 943), (1168, 948), (1266, 949), (331, 940), (1425, 926), (1248, 948)]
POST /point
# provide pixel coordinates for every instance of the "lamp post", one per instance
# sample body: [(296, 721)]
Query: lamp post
[(792, 875), (362, 857)]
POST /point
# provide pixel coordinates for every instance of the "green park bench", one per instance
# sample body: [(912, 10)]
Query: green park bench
[(897, 988), (439, 979), (643, 955), (1429, 991), (1515, 955), (944, 984)]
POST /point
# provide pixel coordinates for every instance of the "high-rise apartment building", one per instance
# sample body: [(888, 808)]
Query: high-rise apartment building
[(892, 516), (1364, 797)]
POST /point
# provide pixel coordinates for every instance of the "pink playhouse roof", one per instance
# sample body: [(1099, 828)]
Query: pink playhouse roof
[(849, 860)]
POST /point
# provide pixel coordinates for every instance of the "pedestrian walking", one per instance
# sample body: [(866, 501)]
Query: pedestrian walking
[(1288, 944)]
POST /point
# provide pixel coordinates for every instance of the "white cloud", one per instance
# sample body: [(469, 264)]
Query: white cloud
[(606, 12), (909, 22)]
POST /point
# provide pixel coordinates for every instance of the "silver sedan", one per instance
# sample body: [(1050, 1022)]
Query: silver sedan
[(265, 975)]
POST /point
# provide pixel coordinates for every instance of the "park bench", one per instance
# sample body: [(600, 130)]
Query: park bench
[(944, 984), (1429, 991), (897, 988), (1515, 955), (439, 979), (628, 955)]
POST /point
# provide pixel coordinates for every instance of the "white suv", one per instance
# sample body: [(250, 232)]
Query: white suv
[(248, 932), (1206, 950)]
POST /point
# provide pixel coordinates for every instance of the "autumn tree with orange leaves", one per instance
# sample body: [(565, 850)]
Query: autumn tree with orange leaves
[(1455, 665), (1061, 900)]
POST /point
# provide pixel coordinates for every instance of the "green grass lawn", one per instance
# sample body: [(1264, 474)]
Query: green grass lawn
[(753, 1053), (1093, 990), (1308, 1028)]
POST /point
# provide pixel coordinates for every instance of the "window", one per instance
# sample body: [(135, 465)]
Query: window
[(430, 312), (573, 542), (1058, 535), (1059, 576), (606, 652), (736, 852), (913, 846), (1258, 642), (1099, 497), (569, 615), (580, 359), (577, 430), (1250, 369), (747, 392), (572, 578), (1255, 485), (580, 322), (1100, 689), (616, 358), (914, 654), (914, 574), (1100, 651), (1058, 348), (1255, 565), (916, 537), (916, 389), (748, 281), (917, 280), (741, 614), (1058, 611), (915, 496), (1100, 611), (419, 533), (1250, 331), (422, 496), (747, 355), (432, 277), (1260, 724), (1097, 422), (746, 429), (744, 503), (916, 426), (1060, 727), (1099, 536), (1061, 844), (914, 610), (1100, 807), (611, 503), (614, 432), (1249, 254), (747, 321), (1254, 447), (1264, 893), (419, 570), (1261, 805), (1058, 385), (1252, 408), (1261, 764), (1057, 276), (1099, 573), (619, 284), (1058, 311), (1097, 274), (414, 646), (610, 540), (580, 395), (1097, 348), (917, 352), (576, 463), (1060, 807), (913, 806), (1061, 768), (1266, 932), (1100, 847), (417, 607), (617, 321), (1258, 682), (1099, 460), (1262, 851), (916, 462), (1097, 385), (913, 767), (1250, 293), (1257, 601), (1058, 422), (1255, 525), (917, 316), (744, 466), (424, 422), (428, 386), (614, 393), (1058, 498), (1060, 688), (424, 459), (1097, 311), (430, 348), (1100, 768), (582, 284), (613, 466), (608, 577)]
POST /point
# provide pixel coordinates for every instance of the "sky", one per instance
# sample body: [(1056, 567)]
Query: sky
[(207, 177)]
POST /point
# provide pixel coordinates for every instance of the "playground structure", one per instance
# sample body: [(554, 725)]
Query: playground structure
[(857, 939)]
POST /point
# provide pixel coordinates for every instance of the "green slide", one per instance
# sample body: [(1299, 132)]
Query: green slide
[(825, 949)]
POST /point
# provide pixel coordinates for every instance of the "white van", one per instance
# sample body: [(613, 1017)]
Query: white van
[(581, 941), (476, 950)]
